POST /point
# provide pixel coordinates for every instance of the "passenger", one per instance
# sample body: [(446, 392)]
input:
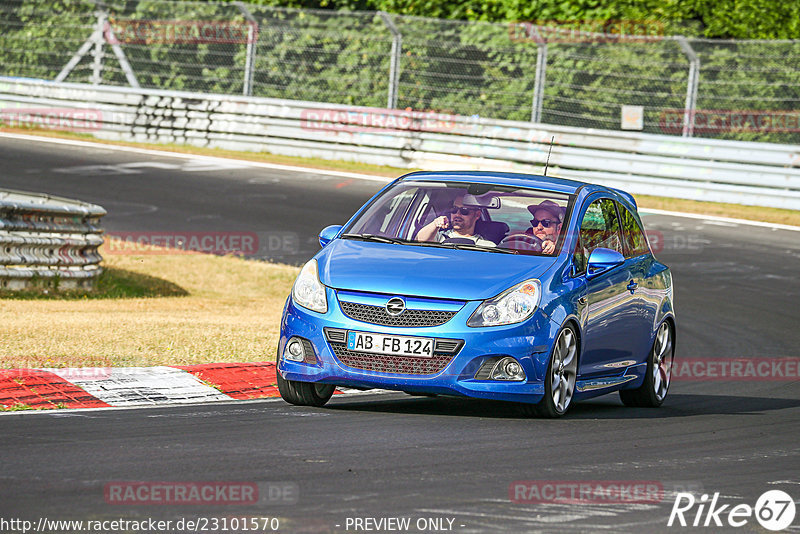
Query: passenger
[(459, 224), (546, 224)]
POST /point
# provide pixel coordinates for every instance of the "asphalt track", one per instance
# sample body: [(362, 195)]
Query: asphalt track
[(390, 455)]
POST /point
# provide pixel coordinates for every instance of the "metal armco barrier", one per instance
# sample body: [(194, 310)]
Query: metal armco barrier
[(763, 174), (49, 239)]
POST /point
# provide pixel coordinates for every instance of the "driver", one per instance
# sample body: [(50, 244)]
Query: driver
[(459, 224), (546, 224)]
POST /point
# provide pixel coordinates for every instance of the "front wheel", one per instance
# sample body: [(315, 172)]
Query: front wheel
[(653, 391), (304, 393), (559, 384)]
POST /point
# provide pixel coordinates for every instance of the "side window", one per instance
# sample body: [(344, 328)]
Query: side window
[(397, 212), (579, 257), (599, 228), (632, 234)]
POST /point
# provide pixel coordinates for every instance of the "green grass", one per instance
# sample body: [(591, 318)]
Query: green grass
[(23, 407), (16, 408)]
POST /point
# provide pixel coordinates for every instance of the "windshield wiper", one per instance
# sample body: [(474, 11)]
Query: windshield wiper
[(423, 243), (373, 237), (398, 241), (465, 246)]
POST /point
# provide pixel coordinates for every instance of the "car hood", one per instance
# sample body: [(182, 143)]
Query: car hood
[(424, 271)]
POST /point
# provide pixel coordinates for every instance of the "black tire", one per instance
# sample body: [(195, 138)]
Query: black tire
[(304, 393), (548, 407), (652, 392)]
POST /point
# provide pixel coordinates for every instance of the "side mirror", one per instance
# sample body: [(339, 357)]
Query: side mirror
[(328, 233), (603, 259)]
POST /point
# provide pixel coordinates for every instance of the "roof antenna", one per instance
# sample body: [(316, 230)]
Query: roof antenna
[(552, 139)]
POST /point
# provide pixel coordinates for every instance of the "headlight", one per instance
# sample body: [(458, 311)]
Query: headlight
[(308, 291), (512, 306)]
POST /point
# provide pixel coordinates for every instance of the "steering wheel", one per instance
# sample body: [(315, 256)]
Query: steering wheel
[(522, 242)]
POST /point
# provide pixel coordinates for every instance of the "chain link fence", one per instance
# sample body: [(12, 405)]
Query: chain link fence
[(747, 90)]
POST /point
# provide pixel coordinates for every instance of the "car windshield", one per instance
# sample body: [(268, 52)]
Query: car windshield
[(471, 216)]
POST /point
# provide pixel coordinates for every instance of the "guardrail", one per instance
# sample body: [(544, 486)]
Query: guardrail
[(48, 240), (764, 174)]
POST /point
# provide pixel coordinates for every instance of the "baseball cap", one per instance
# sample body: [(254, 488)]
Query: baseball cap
[(550, 207)]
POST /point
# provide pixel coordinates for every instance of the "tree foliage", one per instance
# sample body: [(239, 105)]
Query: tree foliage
[(327, 52), (728, 19)]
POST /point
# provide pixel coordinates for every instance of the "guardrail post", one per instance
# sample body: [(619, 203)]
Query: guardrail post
[(394, 61), (97, 63), (250, 56), (538, 84), (691, 86)]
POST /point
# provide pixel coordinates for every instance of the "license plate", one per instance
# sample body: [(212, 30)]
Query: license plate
[(395, 345)]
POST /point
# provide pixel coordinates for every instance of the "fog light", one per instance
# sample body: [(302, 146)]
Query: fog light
[(294, 351), (513, 369), (507, 369)]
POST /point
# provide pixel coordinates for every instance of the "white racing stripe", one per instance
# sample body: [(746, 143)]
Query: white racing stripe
[(141, 386)]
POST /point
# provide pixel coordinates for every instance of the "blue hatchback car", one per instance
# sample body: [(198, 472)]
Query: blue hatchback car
[(530, 289)]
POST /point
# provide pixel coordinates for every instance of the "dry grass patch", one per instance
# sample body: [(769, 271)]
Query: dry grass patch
[(154, 310), (735, 211)]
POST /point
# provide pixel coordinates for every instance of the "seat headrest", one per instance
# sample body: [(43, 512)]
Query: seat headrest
[(491, 230)]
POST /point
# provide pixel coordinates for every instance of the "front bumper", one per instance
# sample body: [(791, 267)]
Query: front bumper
[(528, 342)]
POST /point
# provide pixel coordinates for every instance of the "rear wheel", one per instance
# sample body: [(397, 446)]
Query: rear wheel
[(559, 384), (304, 393), (654, 390)]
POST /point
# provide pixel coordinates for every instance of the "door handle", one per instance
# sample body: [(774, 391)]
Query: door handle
[(632, 286)]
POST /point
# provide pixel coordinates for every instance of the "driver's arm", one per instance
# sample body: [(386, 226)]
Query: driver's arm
[(428, 232)]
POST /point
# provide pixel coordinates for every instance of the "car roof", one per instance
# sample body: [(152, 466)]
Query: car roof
[(547, 183)]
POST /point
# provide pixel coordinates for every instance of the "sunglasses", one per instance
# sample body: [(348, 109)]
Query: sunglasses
[(546, 223), (463, 211)]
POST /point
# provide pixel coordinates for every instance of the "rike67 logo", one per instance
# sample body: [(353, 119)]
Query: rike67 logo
[(774, 510)]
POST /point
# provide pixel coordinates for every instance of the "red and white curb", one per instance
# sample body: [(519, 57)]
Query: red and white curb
[(101, 387)]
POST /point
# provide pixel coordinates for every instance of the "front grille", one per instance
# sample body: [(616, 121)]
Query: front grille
[(486, 369), (447, 345), (335, 335), (386, 363), (308, 349), (410, 318)]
